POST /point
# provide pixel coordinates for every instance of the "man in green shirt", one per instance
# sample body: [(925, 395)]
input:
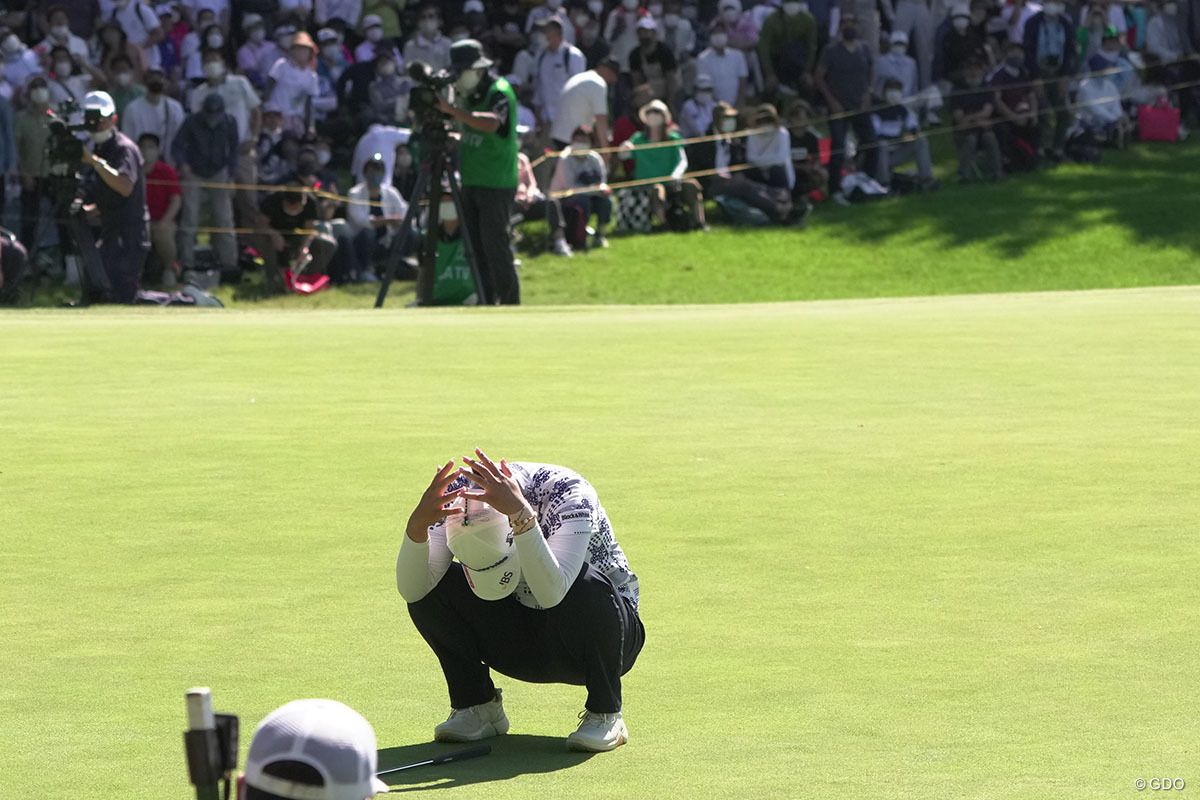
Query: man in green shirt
[(787, 48), (488, 162)]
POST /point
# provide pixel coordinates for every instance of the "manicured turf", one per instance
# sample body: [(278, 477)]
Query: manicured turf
[(894, 548)]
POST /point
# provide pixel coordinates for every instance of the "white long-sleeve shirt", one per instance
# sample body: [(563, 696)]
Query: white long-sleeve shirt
[(572, 527), (772, 150)]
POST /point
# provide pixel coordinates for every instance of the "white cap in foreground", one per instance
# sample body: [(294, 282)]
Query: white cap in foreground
[(332, 738), (482, 540), (100, 101)]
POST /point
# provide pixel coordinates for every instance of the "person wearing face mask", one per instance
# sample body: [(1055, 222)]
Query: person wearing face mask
[(59, 34), (331, 62), (973, 108), (164, 199), (488, 161), (372, 39), (531, 203), (733, 185), (1090, 34), (389, 92), (897, 65), (1016, 15), (256, 55), (154, 113), (139, 22), (19, 62), (582, 176), (916, 23), (206, 151), (113, 46), (555, 65), (118, 196), (787, 48), (389, 12), (123, 86), (1099, 101), (1167, 38), (1110, 61), (843, 76), (289, 216), (429, 45), (1050, 59), (677, 33), (962, 43), (591, 43), (29, 134), (375, 212), (584, 102), (621, 30), (292, 83), (667, 164), (900, 139), (725, 65), (1016, 106), (551, 10), (653, 64), (695, 117)]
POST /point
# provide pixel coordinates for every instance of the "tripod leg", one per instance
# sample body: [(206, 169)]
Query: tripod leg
[(468, 249), (397, 249)]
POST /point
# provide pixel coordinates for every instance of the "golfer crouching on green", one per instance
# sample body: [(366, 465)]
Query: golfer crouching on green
[(541, 592)]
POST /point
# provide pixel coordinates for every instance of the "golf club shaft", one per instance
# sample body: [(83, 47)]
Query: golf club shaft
[(457, 755)]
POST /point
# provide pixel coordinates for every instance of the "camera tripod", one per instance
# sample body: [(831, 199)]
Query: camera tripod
[(436, 166), (74, 236)]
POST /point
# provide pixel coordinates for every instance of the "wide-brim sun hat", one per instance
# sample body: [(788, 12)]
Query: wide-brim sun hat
[(654, 105)]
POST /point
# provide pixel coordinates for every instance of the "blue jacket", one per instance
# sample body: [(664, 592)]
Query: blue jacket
[(1070, 55)]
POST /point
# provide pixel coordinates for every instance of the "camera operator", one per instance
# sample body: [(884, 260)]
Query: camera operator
[(488, 163), (118, 197)]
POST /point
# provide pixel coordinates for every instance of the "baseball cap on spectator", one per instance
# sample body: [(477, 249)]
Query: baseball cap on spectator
[(704, 81), (326, 741), (647, 23), (213, 103), (655, 105), (766, 114), (899, 37), (251, 20), (1111, 32), (960, 10), (100, 101), (610, 63), (473, 5), (302, 39), (327, 35), (372, 21), (730, 4), (163, 9)]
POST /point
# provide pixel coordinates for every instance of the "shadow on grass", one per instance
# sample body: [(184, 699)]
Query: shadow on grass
[(1147, 191), (512, 755)]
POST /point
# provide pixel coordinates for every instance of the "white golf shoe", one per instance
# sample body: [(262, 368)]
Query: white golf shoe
[(598, 733), (472, 724)]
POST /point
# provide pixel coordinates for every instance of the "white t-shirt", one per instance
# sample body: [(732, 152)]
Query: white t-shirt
[(382, 139), (240, 99), (293, 86), (137, 20), (554, 69), (583, 98), (726, 69), (572, 527), (163, 120)]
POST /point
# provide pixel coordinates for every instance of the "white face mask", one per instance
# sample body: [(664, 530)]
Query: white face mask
[(596, 7), (404, 159), (960, 23), (629, 5), (718, 40), (62, 68), (899, 50), (374, 34), (447, 212), (258, 35), (100, 137), (331, 51), (467, 82), (579, 147), (1052, 10), (214, 70), (704, 96), (728, 125), (655, 119), (323, 157), (792, 9), (40, 96), (215, 41), (149, 154), (60, 32), (429, 27), (893, 96), (11, 45), (580, 20), (387, 69), (730, 14), (670, 20), (124, 79)]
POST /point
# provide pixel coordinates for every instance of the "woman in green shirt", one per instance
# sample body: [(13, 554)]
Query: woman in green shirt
[(668, 162)]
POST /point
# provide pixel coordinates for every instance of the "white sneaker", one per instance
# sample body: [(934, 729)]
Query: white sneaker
[(472, 724), (840, 199), (598, 733), (561, 248)]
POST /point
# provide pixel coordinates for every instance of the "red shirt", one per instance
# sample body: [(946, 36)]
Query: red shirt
[(162, 183)]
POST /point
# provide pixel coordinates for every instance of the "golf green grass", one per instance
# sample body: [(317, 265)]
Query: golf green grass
[(941, 547)]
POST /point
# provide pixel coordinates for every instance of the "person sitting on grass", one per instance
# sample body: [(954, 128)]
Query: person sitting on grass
[(667, 162), (291, 241), (1016, 107), (900, 139), (726, 156), (806, 155), (542, 592), (531, 203), (312, 749), (582, 171)]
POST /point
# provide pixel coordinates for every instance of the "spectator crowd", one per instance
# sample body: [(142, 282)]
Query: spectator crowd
[(284, 126)]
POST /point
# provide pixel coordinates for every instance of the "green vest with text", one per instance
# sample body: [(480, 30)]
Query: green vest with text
[(488, 159)]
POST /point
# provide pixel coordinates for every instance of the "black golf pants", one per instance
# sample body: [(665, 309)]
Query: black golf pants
[(589, 639)]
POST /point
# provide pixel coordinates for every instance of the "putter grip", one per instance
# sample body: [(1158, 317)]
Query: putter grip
[(463, 755)]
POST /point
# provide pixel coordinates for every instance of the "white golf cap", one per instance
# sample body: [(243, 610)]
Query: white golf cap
[(473, 5), (899, 37), (100, 101), (372, 21), (332, 738), (647, 23), (482, 541), (251, 19)]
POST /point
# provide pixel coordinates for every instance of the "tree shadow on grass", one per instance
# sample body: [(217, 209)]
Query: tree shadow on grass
[(1149, 191), (512, 755)]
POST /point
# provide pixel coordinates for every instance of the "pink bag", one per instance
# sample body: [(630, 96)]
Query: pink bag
[(1158, 123)]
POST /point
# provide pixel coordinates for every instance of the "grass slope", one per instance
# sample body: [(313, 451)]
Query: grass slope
[(892, 548)]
